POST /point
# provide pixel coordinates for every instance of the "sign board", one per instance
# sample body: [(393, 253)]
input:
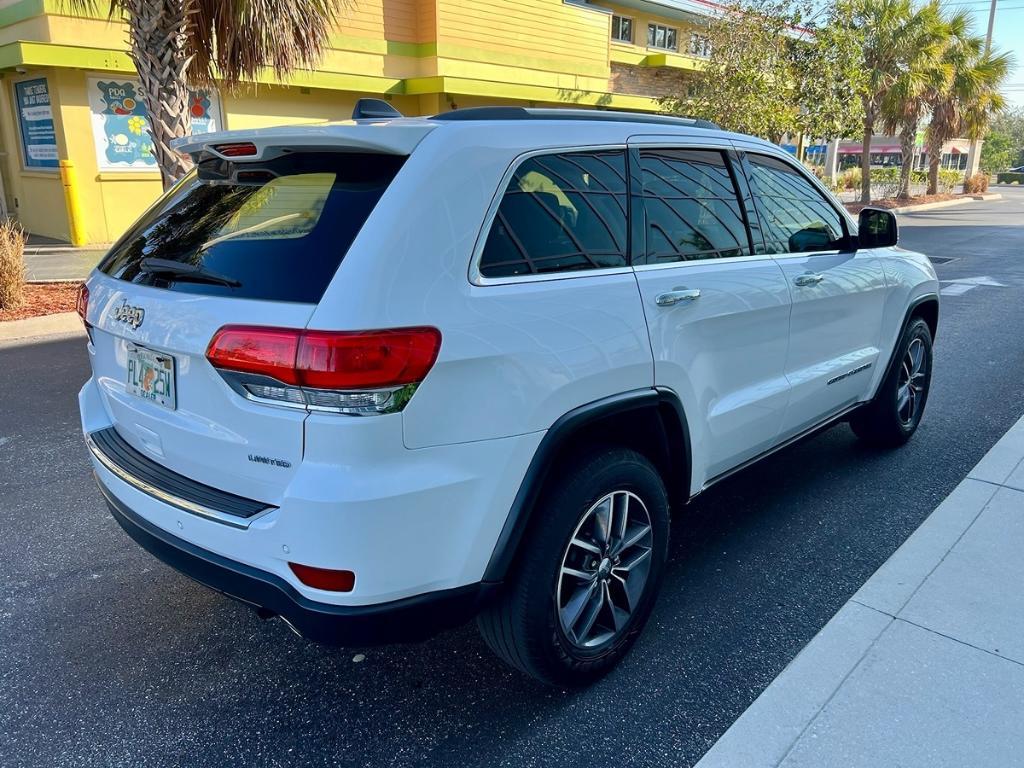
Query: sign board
[(35, 117), (120, 122)]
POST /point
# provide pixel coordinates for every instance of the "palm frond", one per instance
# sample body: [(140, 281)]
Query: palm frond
[(235, 40)]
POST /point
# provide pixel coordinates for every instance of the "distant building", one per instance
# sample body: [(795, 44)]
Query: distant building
[(886, 152)]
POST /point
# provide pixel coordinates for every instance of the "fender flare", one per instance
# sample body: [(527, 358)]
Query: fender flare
[(911, 310), (664, 402)]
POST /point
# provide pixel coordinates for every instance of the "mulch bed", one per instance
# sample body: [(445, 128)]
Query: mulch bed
[(43, 299), (894, 203)]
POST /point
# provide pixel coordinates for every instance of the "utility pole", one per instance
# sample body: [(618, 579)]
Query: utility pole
[(973, 152)]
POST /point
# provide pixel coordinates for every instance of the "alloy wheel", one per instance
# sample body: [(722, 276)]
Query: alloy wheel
[(604, 570), (910, 387)]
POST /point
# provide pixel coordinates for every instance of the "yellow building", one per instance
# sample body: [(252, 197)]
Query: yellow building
[(68, 97)]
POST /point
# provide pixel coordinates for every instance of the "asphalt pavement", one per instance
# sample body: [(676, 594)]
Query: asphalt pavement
[(109, 658)]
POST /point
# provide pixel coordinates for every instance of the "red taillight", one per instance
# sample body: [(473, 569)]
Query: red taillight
[(82, 303), (241, 149), (251, 349), (366, 359), (324, 578), (351, 360)]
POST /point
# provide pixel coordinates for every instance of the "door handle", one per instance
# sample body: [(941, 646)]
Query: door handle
[(676, 295), (808, 279)]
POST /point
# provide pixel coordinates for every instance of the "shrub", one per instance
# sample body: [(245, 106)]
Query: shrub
[(919, 177), (12, 264), (849, 179), (1009, 178), (885, 182), (948, 180), (977, 184)]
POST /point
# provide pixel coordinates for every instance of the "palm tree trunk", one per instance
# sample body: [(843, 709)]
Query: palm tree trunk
[(865, 161), (157, 31), (934, 161), (907, 138)]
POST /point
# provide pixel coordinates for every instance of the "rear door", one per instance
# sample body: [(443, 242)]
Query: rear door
[(838, 292), (717, 310), (252, 243)]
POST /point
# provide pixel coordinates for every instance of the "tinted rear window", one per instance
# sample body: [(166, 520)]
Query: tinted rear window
[(278, 228)]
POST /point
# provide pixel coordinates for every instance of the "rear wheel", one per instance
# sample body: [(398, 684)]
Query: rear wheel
[(893, 416), (588, 574)]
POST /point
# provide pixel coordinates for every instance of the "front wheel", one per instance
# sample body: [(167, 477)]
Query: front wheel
[(590, 569), (893, 416)]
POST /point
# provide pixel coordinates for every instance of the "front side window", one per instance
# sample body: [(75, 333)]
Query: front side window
[(622, 29), (691, 205), (795, 216), (560, 213), (660, 36)]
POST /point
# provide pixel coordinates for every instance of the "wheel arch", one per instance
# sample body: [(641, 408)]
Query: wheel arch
[(925, 307), (651, 421)]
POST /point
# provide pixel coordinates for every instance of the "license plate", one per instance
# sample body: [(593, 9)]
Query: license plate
[(151, 376)]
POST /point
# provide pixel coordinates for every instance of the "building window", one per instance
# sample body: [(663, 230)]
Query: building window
[(700, 45), (659, 36), (622, 29)]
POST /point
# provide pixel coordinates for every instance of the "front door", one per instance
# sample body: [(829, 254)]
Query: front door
[(717, 312), (838, 292)]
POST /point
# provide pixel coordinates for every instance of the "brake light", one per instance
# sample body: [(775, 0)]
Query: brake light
[(239, 149), (82, 303), (324, 578), (347, 371)]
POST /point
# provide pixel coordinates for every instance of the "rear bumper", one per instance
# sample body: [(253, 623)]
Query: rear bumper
[(407, 620)]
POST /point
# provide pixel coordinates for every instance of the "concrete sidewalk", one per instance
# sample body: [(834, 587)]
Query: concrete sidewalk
[(52, 260), (924, 666)]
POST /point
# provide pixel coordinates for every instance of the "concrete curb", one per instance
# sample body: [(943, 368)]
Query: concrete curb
[(946, 203), (47, 325), (797, 713)]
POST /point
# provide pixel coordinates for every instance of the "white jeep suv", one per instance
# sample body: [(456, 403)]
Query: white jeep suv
[(378, 377)]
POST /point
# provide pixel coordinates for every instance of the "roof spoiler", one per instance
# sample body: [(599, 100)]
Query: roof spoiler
[(374, 109)]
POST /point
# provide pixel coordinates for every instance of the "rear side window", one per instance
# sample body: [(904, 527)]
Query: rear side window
[(795, 216), (274, 230), (691, 206), (560, 213)]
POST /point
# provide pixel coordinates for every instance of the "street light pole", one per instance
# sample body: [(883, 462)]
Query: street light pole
[(973, 154)]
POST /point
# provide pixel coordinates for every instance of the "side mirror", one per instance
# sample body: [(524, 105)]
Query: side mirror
[(877, 228)]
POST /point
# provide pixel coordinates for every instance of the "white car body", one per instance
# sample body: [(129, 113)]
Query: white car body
[(418, 502)]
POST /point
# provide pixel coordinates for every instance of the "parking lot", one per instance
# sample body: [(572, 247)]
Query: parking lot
[(109, 658)]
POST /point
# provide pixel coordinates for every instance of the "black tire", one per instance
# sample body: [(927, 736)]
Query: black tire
[(883, 422), (523, 626)]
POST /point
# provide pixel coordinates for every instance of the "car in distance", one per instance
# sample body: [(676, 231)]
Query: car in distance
[(380, 377)]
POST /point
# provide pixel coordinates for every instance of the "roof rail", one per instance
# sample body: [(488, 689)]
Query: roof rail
[(374, 109), (523, 113)]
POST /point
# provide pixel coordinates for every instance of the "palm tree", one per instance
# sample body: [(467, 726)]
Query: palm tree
[(906, 101), (177, 43), (968, 99), (892, 31)]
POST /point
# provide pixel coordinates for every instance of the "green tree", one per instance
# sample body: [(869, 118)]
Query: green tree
[(827, 75), (968, 100), (892, 31), (745, 85), (177, 43), (1004, 146), (905, 103), (776, 68)]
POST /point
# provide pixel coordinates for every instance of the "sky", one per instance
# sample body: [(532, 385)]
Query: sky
[(1008, 35)]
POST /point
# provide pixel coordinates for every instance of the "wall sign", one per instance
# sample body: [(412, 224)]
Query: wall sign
[(38, 137), (120, 122)]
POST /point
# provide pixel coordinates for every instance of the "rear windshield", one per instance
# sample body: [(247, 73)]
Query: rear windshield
[(274, 230)]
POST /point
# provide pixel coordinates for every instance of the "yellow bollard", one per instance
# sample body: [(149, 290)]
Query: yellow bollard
[(69, 180)]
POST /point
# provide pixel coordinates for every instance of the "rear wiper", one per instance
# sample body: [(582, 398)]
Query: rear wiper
[(186, 272)]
